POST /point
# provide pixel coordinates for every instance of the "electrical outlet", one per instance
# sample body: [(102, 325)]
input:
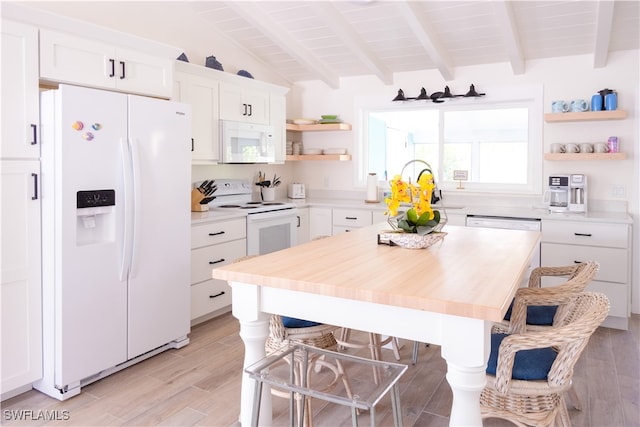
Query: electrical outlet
[(618, 191)]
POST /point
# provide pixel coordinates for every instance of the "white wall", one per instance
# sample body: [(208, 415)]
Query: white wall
[(562, 78)]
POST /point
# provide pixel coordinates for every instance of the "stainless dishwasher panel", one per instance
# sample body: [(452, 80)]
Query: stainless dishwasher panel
[(531, 224)]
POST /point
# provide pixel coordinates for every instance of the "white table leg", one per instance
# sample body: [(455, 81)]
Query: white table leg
[(253, 334), (254, 328), (466, 346)]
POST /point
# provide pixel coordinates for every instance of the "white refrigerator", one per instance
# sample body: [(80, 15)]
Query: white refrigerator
[(116, 177)]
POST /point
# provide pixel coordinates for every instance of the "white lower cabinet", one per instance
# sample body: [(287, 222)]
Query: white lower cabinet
[(20, 269), (319, 222), (303, 225), (214, 244), (569, 242), (345, 220)]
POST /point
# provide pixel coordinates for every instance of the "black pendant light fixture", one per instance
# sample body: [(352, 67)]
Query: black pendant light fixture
[(437, 97)]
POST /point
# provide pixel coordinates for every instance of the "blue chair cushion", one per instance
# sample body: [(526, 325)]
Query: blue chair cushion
[(528, 364), (540, 315), (292, 322)]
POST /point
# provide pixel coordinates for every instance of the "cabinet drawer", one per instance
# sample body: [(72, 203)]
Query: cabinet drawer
[(339, 229), (211, 233), (584, 233), (209, 296), (351, 217), (617, 294), (614, 263), (209, 257)]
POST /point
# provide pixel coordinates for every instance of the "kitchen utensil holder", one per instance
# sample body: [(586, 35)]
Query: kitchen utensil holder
[(196, 198)]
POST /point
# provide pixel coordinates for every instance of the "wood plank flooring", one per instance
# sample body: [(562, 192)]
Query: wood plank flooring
[(199, 385)]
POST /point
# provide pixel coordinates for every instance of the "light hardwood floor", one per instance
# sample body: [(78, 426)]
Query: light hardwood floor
[(199, 385)]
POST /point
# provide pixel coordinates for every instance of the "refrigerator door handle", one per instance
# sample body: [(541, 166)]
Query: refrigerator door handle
[(137, 207), (127, 244)]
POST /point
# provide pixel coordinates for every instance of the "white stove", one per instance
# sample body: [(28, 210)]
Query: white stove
[(271, 226), (237, 194)]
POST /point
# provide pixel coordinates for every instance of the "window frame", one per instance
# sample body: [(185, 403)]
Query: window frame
[(530, 97)]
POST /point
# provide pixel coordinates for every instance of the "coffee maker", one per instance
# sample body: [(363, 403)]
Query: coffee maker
[(567, 193), (558, 193), (578, 193)]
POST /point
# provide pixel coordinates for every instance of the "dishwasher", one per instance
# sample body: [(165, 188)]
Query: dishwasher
[(511, 223)]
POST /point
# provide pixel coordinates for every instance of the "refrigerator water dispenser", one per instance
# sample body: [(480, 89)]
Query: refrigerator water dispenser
[(95, 216)]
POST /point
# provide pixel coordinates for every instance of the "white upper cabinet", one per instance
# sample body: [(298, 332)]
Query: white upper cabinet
[(67, 58), (20, 98), (202, 94), (241, 104)]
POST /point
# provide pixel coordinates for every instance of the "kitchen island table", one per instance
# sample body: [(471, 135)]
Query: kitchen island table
[(448, 294)]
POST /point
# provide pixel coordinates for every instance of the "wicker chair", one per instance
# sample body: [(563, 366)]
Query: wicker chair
[(539, 313), (542, 307), (540, 402)]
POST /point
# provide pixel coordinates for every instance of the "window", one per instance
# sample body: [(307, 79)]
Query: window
[(498, 141)]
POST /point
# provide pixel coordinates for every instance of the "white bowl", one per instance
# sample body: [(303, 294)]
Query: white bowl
[(304, 121), (312, 151), (334, 151)]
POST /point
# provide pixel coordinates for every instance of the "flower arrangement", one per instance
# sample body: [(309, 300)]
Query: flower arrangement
[(420, 218)]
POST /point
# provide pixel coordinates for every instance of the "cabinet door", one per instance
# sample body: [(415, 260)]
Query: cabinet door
[(202, 95), (303, 225), (320, 223), (20, 99), (243, 105), (278, 120), (21, 293), (68, 59), (137, 72)]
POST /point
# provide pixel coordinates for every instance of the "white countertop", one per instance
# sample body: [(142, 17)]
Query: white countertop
[(485, 210)]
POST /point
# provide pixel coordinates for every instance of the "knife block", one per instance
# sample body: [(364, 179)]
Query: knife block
[(196, 198)]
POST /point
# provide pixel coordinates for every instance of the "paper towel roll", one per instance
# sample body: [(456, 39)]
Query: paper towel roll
[(372, 188)]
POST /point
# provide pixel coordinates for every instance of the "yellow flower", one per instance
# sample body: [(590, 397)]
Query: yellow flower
[(420, 218)]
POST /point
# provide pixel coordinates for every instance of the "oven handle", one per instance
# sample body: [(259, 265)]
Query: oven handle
[(277, 214)]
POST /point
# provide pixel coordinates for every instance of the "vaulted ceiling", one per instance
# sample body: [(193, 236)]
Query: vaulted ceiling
[(326, 40)]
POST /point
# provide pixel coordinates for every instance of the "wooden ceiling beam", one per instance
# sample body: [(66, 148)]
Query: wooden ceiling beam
[(332, 18), (272, 30), (604, 25), (428, 39), (507, 25)]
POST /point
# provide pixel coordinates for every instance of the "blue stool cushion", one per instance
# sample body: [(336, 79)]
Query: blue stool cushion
[(528, 364), (292, 322), (540, 315)]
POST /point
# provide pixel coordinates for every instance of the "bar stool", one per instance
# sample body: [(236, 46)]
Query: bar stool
[(278, 370)]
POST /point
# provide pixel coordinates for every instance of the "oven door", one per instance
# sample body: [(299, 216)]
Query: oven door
[(272, 231)]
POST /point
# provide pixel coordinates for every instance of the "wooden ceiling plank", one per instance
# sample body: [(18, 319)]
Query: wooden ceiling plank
[(273, 31), (428, 39), (332, 18), (506, 23), (604, 26)]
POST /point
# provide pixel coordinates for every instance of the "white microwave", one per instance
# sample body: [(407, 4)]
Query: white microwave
[(246, 143)]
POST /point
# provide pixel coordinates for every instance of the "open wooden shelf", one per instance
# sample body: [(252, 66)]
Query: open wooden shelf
[(338, 157), (585, 156), (585, 116), (318, 127)]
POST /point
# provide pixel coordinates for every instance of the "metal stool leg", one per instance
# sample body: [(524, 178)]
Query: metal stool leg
[(257, 397), (395, 406)]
